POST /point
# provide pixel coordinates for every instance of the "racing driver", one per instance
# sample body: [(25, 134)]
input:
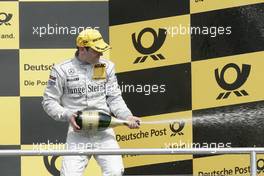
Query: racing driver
[(87, 82)]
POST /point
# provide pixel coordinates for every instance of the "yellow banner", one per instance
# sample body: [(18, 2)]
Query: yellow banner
[(150, 44), (208, 5), (10, 120), (9, 25), (173, 130), (228, 80), (228, 165), (35, 67)]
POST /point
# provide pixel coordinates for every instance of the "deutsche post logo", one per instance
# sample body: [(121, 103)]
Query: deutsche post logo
[(5, 18), (241, 78), (177, 127), (149, 51), (50, 165), (260, 165)]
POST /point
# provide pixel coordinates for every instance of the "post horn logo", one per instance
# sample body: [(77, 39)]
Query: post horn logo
[(156, 45), (242, 76), (177, 127), (5, 18), (260, 165), (50, 165)]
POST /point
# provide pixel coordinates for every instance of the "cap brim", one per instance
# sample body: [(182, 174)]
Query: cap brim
[(100, 46)]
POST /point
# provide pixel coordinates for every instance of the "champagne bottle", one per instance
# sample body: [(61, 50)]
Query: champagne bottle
[(93, 120)]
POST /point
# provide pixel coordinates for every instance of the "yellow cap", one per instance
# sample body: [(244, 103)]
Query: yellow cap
[(92, 38)]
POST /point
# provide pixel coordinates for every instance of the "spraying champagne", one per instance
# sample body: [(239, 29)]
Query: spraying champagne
[(93, 120)]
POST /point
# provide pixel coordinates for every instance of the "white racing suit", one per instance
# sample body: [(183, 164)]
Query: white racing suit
[(70, 88)]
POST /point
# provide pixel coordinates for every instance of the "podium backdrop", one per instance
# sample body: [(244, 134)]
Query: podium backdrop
[(198, 62)]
